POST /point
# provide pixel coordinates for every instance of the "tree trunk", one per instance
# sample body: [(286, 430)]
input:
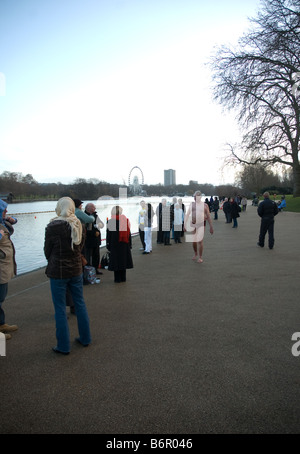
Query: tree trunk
[(296, 176)]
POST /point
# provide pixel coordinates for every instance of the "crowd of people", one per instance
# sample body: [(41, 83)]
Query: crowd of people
[(73, 239)]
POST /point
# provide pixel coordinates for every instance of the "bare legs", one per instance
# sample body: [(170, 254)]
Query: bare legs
[(196, 247)]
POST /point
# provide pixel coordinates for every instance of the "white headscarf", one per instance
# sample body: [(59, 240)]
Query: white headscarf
[(65, 210)]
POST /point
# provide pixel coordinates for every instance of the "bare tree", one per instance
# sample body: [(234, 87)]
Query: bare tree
[(255, 178), (260, 80)]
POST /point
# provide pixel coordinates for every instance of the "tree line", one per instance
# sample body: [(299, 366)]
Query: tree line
[(250, 180)]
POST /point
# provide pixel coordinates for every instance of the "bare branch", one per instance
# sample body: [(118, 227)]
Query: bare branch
[(257, 81)]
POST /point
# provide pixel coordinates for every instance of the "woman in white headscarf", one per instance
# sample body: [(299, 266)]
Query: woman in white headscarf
[(62, 248)]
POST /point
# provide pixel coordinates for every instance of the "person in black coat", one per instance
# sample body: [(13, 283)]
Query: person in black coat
[(215, 207), (118, 243), (267, 209), (93, 238), (159, 210), (226, 210), (234, 211), (182, 206)]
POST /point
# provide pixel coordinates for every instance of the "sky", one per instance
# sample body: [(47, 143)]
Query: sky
[(95, 88)]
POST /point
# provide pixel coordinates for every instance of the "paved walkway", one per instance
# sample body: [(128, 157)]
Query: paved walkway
[(180, 348)]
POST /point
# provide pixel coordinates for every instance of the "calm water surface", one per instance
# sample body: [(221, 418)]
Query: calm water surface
[(33, 217)]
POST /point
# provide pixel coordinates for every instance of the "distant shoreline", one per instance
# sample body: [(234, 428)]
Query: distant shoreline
[(32, 200)]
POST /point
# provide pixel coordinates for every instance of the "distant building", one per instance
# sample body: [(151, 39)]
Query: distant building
[(169, 177), (191, 182)]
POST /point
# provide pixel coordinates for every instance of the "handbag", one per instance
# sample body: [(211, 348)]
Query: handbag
[(105, 260), (89, 275)]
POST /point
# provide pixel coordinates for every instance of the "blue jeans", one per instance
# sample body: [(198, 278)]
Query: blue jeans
[(58, 291), (3, 293)]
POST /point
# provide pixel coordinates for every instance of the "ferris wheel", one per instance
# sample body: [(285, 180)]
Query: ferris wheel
[(136, 177)]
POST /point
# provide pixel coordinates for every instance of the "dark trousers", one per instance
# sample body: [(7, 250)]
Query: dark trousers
[(266, 225), (92, 255), (160, 236), (228, 218), (3, 293), (120, 276), (166, 237), (177, 236), (142, 237)]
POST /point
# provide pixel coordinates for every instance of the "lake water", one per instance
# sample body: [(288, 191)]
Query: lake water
[(33, 217)]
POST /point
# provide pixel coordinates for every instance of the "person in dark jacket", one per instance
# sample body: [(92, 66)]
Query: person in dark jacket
[(215, 207), (93, 238), (226, 210), (159, 221), (118, 243), (182, 206), (267, 209), (234, 212), (62, 248)]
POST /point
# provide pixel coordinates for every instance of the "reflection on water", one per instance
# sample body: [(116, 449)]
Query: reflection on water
[(28, 239), (31, 207), (33, 217)]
